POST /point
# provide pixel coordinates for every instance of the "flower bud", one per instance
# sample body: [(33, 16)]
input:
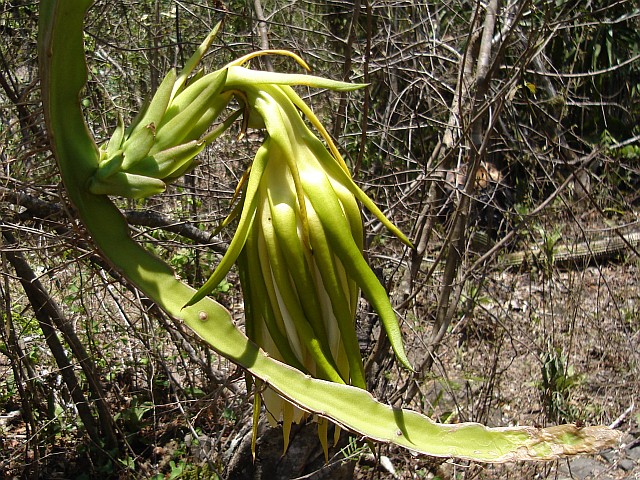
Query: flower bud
[(163, 141), (299, 252)]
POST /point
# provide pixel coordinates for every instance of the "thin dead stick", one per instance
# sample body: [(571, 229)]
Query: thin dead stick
[(263, 32), (616, 423)]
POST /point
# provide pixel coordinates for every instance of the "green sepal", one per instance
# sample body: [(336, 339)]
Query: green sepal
[(110, 166), (257, 306), (334, 168), (340, 303), (135, 123), (177, 129), (209, 116), (194, 60), (137, 146), (323, 426), (240, 237), (160, 101), (240, 77), (336, 228), (114, 144), (166, 162), (181, 171), (185, 97), (284, 203), (291, 294), (257, 404), (122, 184)]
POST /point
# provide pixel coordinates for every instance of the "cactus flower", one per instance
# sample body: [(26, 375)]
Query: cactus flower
[(299, 245), (299, 241)]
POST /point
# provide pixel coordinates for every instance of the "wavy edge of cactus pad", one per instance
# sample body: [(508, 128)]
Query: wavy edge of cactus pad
[(63, 76)]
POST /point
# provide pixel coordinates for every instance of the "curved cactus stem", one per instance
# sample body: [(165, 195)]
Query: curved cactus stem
[(63, 75)]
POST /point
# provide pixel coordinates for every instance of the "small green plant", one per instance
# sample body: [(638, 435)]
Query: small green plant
[(184, 470), (548, 242), (8, 387), (473, 295), (629, 152), (128, 462), (558, 380), (132, 417), (176, 469), (354, 449), (229, 415)]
